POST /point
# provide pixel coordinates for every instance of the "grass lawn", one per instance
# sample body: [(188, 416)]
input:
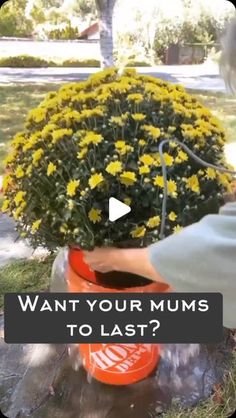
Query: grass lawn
[(15, 102), (223, 107), (25, 276)]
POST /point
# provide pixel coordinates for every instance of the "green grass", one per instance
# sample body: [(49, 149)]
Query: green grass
[(15, 102), (25, 276), (222, 106), (221, 404)]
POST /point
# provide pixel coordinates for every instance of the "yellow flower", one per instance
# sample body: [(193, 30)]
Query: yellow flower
[(117, 120), (210, 173), (10, 158), (18, 140), (72, 186), (64, 228), (59, 134), (127, 201), (128, 178), (172, 129), (36, 225), (135, 97), (142, 142), (71, 204), (226, 180), (193, 183), (146, 159), (122, 148), (95, 215), (7, 181), (51, 169), (159, 181), (17, 213), (144, 169), (153, 222), (120, 144), (91, 138), (29, 170), (5, 205), (157, 159), (154, 132), (138, 232), (172, 144), (138, 117), (19, 172), (172, 216), (37, 155), (19, 198), (172, 188), (81, 154), (177, 229), (95, 180), (37, 115), (168, 159), (114, 167), (181, 157)]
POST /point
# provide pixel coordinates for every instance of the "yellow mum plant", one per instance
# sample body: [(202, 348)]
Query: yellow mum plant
[(98, 139)]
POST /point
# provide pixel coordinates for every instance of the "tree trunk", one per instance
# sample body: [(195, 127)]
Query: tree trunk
[(105, 12)]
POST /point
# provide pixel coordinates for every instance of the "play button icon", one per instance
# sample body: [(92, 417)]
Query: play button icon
[(117, 209)]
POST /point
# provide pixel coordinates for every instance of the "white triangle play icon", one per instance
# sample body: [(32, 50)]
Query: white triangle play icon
[(117, 209)]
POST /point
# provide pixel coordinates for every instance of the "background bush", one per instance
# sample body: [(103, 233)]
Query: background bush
[(81, 63), (66, 33), (207, 30), (25, 61)]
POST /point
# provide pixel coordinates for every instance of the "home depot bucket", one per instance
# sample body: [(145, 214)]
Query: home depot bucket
[(115, 364)]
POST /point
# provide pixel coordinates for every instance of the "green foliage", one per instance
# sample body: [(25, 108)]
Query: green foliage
[(134, 63), (13, 21), (37, 13), (81, 63), (100, 138), (25, 61), (206, 30), (25, 276), (85, 8), (66, 33)]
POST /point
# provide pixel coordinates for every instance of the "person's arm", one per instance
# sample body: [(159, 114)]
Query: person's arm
[(200, 258), (130, 260)]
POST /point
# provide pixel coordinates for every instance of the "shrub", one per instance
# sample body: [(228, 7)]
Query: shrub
[(137, 64), (66, 33), (98, 139), (81, 63), (25, 61), (206, 30)]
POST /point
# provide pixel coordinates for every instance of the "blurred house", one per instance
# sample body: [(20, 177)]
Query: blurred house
[(90, 33)]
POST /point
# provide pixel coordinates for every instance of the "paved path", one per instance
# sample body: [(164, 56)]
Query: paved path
[(203, 77), (12, 248)]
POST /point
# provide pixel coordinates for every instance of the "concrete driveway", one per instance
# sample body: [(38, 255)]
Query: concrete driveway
[(200, 77)]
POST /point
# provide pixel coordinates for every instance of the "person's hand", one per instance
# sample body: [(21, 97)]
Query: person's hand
[(130, 260), (102, 259)]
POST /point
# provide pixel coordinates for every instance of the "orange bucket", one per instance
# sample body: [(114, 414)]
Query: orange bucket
[(114, 364)]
